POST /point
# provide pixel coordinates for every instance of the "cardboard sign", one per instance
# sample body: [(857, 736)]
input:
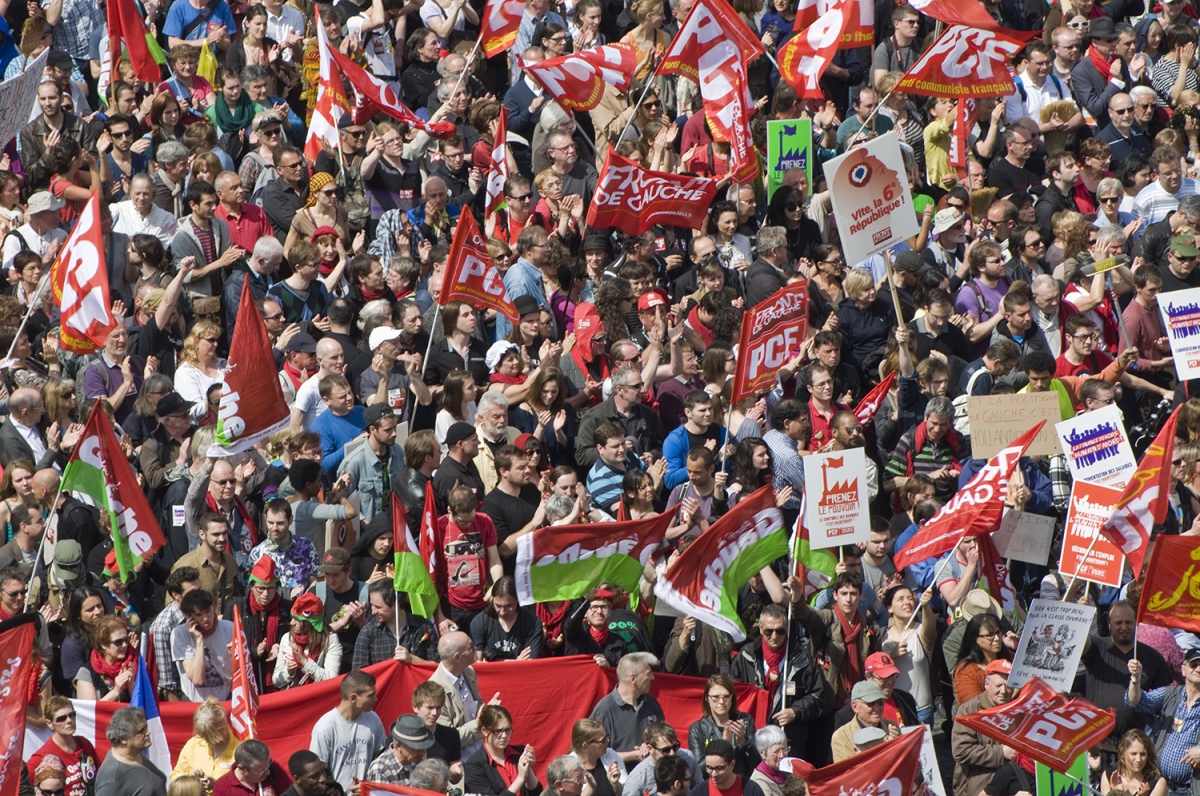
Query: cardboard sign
[(789, 146), (1180, 311), (18, 97), (836, 508), (1097, 448), (1051, 783), (931, 772), (1052, 643), (996, 420), (1091, 505), (871, 200), (1023, 536)]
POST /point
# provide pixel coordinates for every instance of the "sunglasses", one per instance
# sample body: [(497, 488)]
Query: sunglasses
[(331, 192), (65, 717), (524, 198), (213, 340)]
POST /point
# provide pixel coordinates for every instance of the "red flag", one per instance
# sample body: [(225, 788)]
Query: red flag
[(399, 524), (126, 24), (377, 788), (252, 403), (17, 644), (1143, 504), (374, 96), (470, 275), (331, 100), (501, 18), (871, 402), (887, 768), (964, 62), (576, 80), (498, 176), (805, 57), (771, 335), (633, 199), (860, 31), (430, 541), (1167, 596), (243, 701), (950, 12), (79, 278), (707, 23), (974, 510), (995, 572), (966, 114), (1044, 724)]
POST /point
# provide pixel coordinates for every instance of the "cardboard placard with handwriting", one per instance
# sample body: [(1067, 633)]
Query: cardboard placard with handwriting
[(1023, 536), (996, 420)]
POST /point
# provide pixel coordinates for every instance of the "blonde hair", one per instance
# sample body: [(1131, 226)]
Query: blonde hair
[(186, 786), (201, 330), (887, 82), (585, 731), (644, 8), (858, 280), (209, 724), (544, 176)]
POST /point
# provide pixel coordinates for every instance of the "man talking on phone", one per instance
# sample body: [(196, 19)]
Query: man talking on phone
[(200, 649)]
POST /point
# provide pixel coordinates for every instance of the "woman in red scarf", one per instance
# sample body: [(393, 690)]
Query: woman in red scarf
[(499, 767), (113, 664), (308, 652), (263, 609)]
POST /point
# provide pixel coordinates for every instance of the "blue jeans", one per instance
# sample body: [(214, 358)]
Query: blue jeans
[(925, 715)]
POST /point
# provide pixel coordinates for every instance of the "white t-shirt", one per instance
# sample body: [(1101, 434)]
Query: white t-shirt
[(38, 244), (218, 663), (348, 746), (308, 400)]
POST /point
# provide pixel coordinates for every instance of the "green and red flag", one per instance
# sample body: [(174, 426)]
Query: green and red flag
[(417, 561)]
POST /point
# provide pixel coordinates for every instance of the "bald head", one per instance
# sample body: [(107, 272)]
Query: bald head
[(226, 180), (456, 651), (45, 486)]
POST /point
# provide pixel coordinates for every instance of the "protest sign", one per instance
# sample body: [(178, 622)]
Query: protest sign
[(1091, 505), (1097, 448), (1180, 310), (931, 772), (871, 200), (837, 513), (789, 146), (771, 336), (18, 96), (1052, 643), (344, 533), (1171, 591), (996, 420), (1023, 536), (1052, 783), (633, 199)]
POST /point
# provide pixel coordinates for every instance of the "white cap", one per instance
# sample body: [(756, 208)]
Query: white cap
[(382, 335)]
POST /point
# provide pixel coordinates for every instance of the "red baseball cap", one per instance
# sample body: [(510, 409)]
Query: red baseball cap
[(881, 664), (998, 666), (649, 301)]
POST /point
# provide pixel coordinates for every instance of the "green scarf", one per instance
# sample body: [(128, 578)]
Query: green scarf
[(241, 117)]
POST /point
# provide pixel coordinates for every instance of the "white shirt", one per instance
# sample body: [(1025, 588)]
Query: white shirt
[(38, 244), (1035, 98), (289, 21), (308, 400), (33, 437), (159, 222)]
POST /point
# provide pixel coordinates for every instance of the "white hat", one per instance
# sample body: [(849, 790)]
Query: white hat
[(382, 335), (947, 218), (497, 352), (43, 201)]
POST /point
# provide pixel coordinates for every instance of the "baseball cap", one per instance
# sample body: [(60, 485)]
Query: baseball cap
[(42, 201), (376, 412), (172, 404), (412, 732), (302, 342), (998, 666), (382, 335), (881, 664), (458, 432), (651, 300), (1191, 656), (335, 560), (908, 261), (945, 219), (261, 120), (68, 557), (867, 691), (1185, 246)]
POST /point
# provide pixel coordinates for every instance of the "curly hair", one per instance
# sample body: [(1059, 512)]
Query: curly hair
[(609, 296), (201, 330)]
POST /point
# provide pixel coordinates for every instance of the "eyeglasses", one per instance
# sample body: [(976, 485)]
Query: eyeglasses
[(330, 192), (295, 165), (601, 741), (213, 340), (64, 718), (12, 595), (392, 141), (1121, 111), (119, 642), (959, 208), (792, 206), (635, 387), (652, 104), (55, 792), (1109, 200), (718, 769), (720, 697), (355, 133), (502, 731), (1087, 338), (666, 750), (126, 134), (1082, 26), (225, 482)]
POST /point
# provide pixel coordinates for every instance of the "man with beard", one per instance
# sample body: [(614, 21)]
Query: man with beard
[(847, 432), (1106, 660), (494, 433)]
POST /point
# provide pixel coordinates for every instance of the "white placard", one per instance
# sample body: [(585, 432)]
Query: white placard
[(1180, 311), (871, 199), (1023, 536), (18, 96), (930, 770), (1052, 643), (835, 484), (1097, 448)]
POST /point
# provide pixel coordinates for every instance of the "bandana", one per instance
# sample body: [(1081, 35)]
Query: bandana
[(774, 661), (316, 183)]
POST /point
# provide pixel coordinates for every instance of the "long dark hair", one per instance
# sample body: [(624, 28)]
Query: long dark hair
[(744, 471), (776, 210), (76, 629), (980, 625)]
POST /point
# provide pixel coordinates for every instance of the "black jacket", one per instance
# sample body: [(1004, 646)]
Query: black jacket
[(1154, 243), (809, 699), (762, 280), (647, 430), (480, 776), (577, 640), (409, 486)]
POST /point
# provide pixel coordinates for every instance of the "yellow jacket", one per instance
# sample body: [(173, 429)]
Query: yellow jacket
[(197, 756)]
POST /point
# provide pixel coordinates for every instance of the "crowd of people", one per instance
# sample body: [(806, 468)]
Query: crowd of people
[(610, 396)]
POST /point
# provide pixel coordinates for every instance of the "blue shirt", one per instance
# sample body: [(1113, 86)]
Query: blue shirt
[(1181, 738), (335, 433), (604, 485), (523, 278), (182, 14)]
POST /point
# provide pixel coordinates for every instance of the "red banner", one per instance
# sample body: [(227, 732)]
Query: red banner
[(430, 543), (871, 402), (252, 405), (243, 703), (974, 510), (971, 15), (331, 100), (126, 25), (1143, 504), (964, 62), (965, 117), (889, 768), (1044, 724), (501, 18), (79, 278), (1171, 592), (17, 644), (860, 30), (471, 275), (576, 80), (375, 96), (771, 336), (633, 199), (497, 176), (373, 788), (708, 22), (805, 57)]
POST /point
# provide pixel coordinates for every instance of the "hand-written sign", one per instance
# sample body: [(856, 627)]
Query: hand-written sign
[(996, 420), (1023, 536)]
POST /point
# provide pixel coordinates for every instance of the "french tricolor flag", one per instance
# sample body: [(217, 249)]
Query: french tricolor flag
[(143, 697)]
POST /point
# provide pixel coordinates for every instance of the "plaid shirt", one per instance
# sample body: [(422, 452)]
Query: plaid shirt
[(789, 467), (388, 770), (74, 30), (160, 630), (376, 643), (1060, 483)]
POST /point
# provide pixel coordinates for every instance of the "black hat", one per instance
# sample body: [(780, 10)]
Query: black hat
[(596, 240), (1102, 28), (172, 404), (347, 120), (60, 60), (302, 342), (376, 412), (410, 731), (526, 305), (459, 432)]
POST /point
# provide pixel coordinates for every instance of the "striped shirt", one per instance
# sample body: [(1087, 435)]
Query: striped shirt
[(604, 484), (1155, 203)]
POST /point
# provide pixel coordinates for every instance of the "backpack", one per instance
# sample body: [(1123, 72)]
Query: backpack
[(266, 175), (87, 363), (962, 421), (1062, 95)]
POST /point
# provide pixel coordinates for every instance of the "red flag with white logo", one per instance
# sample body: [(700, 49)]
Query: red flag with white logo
[(860, 28), (331, 100), (974, 510), (576, 80), (79, 278), (430, 542), (889, 768), (633, 199), (964, 62), (772, 333), (17, 644), (966, 114), (497, 177), (1143, 504), (243, 702), (471, 275), (805, 57), (871, 402), (501, 18), (375, 96)]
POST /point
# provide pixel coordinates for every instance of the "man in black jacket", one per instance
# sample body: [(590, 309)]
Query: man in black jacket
[(1156, 240), (1064, 173), (765, 275), (421, 456)]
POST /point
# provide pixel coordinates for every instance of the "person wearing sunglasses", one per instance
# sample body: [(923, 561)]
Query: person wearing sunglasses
[(124, 158), (74, 755), (660, 737), (50, 777)]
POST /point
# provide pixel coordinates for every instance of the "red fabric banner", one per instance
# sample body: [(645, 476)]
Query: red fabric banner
[(243, 704), (1044, 724), (973, 511), (375, 96), (871, 402), (576, 80), (805, 57), (633, 199), (372, 788), (964, 62), (545, 696), (126, 25), (501, 18), (17, 644), (860, 30), (966, 114), (331, 100), (971, 15), (430, 543), (497, 176), (471, 275), (1171, 592), (79, 278), (771, 336), (888, 768)]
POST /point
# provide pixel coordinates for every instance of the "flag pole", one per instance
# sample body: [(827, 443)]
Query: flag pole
[(936, 575), (629, 123), (1079, 566), (437, 311), (891, 278)]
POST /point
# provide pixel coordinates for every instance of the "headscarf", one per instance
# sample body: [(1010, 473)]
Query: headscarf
[(265, 572), (316, 183), (309, 608)]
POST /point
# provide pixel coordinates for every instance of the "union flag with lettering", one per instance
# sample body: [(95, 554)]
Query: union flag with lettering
[(771, 336), (471, 275), (633, 199), (1171, 592)]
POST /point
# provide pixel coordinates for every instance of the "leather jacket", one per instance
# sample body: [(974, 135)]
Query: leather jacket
[(409, 486)]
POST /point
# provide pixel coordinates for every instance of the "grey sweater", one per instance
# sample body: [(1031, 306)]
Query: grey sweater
[(186, 244)]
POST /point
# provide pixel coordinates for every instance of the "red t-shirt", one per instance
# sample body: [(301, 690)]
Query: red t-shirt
[(466, 560), (1092, 365), (276, 783), (81, 764), (733, 790)]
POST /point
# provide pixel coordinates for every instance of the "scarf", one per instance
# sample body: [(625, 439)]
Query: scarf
[(1025, 762), (297, 377), (773, 660), (552, 622), (500, 378), (303, 645), (240, 508), (271, 609), (110, 671), (1102, 66), (920, 437), (577, 355), (852, 668), (315, 184), (369, 295), (599, 635), (240, 117), (693, 320), (773, 774)]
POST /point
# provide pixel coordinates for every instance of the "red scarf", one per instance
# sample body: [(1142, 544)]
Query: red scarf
[(110, 671), (599, 635), (1025, 762), (552, 622), (852, 668), (369, 295), (1102, 66), (773, 660), (271, 609), (693, 320), (327, 267), (297, 377), (577, 355), (920, 437), (501, 378), (240, 508), (311, 638)]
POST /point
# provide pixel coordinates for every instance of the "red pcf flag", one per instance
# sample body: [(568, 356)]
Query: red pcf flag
[(633, 199), (966, 114), (771, 335), (1168, 597), (470, 275), (964, 62), (871, 402), (243, 701), (79, 278), (576, 80), (974, 510), (888, 768), (805, 57), (501, 18), (17, 644), (1044, 724), (860, 29), (498, 175)]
